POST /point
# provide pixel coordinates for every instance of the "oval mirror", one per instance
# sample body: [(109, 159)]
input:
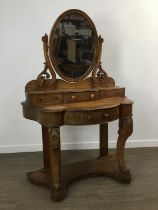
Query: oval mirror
[(72, 45)]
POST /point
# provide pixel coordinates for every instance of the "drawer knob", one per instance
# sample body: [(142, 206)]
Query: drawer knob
[(73, 97), (106, 114), (92, 95), (89, 117)]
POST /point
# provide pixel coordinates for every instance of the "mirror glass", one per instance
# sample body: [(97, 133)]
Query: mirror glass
[(72, 46)]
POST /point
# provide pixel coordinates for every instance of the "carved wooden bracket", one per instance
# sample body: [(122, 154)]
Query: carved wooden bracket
[(125, 126), (44, 75), (99, 76), (54, 138)]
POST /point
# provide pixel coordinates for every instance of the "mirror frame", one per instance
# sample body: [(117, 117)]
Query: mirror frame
[(52, 58)]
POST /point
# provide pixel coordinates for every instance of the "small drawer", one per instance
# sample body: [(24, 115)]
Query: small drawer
[(36, 99), (109, 93), (82, 96), (45, 99), (100, 116), (54, 99)]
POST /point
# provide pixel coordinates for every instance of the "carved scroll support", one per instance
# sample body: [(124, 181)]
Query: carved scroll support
[(57, 191), (99, 76), (125, 130), (43, 78)]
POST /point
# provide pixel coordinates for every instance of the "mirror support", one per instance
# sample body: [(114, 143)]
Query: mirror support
[(99, 76), (44, 75), (47, 78)]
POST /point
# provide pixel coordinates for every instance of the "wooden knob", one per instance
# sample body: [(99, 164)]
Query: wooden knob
[(92, 95), (106, 114), (89, 117), (73, 97)]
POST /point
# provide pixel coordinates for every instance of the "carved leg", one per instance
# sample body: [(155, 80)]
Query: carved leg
[(125, 130), (46, 155), (55, 164), (103, 140)]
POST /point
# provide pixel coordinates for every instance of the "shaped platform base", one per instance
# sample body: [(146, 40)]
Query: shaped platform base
[(106, 166)]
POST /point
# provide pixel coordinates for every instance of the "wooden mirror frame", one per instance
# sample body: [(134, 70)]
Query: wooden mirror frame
[(99, 77), (52, 58)]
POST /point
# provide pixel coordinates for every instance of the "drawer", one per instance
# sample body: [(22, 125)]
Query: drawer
[(73, 118), (45, 99), (100, 116), (82, 96), (54, 99), (109, 93)]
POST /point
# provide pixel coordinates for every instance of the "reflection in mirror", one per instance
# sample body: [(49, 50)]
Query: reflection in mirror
[(73, 45)]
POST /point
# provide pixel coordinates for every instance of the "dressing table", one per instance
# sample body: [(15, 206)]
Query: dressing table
[(84, 95)]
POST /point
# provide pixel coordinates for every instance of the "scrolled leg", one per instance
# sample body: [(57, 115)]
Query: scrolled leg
[(57, 191), (125, 130)]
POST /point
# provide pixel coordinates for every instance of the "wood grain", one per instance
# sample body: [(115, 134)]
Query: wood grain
[(83, 101)]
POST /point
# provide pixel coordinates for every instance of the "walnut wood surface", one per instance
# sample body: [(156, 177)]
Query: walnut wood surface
[(95, 100), (79, 113), (106, 166), (76, 107), (63, 86)]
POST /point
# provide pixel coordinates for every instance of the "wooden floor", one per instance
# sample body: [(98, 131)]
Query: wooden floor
[(99, 193)]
